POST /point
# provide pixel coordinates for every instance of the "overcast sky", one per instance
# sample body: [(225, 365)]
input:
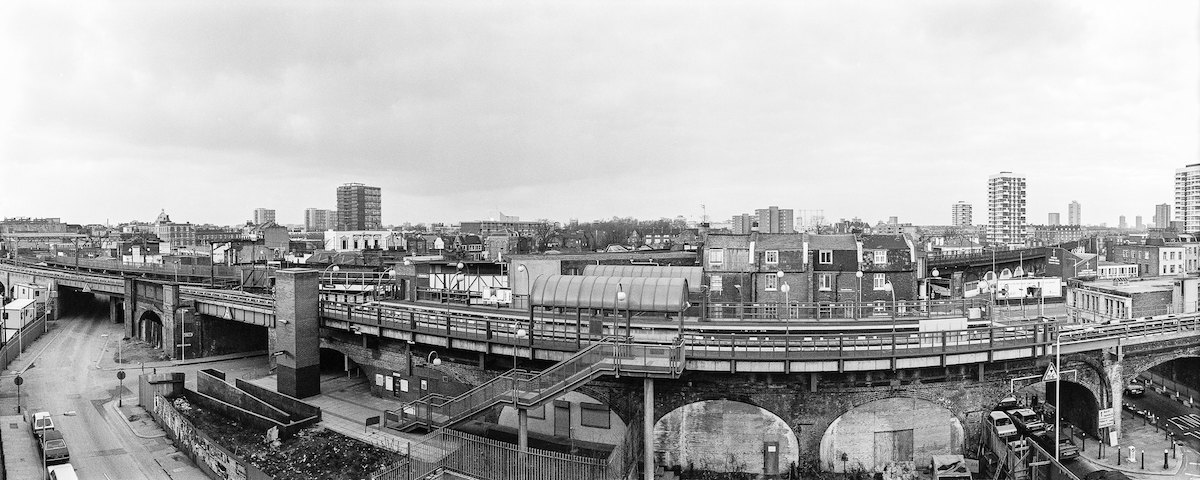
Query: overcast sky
[(565, 109)]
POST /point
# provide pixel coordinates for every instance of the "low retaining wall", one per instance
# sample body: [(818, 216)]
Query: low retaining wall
[(253, 406), (212, 458)]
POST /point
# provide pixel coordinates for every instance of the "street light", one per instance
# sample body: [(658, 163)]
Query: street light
[(391, 274), (787, 304), (617, 310), (739, 301), (520, 333), (858, 301), (528, 288), (433, 358)]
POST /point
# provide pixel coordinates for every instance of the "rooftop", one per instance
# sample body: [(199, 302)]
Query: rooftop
[(1142, 285)]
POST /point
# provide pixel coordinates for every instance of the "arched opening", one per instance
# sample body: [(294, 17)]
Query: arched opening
[(3, 294), (574, 423), (150, 329), (890, 431), (80, 303), (334, 363), (1080, 405), (725, 436)]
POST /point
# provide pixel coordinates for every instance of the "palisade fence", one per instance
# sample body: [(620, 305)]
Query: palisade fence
[(489, 459)]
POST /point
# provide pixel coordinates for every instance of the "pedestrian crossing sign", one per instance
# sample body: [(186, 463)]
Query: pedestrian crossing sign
[(1051, 374)]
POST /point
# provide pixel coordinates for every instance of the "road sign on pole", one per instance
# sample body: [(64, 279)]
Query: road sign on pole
[(1051, 374), (1106, 418)]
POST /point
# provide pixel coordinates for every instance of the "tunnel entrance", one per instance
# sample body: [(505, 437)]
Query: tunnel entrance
[(1079, 406), (75, 302), (724, 436), (150, 329), (334, 362)]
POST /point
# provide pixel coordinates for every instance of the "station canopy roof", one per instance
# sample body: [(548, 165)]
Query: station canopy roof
[(643, 294), (691, 274)]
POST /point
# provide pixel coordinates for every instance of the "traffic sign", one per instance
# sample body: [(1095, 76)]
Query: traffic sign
[(1106, 418), (120, 374), (1051, 374), (18, 380)]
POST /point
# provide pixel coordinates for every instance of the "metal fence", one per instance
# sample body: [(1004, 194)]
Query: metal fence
[(488, 459), (848, 310)]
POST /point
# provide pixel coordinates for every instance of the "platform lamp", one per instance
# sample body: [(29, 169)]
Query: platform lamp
[(517, 336), (621, 297), (858, 299)]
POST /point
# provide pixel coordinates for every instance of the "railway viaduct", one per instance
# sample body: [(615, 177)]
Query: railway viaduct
[(802, 395)]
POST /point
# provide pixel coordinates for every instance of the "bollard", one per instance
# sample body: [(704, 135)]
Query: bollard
[(1164, 459), (1083, 443), (1119, 455), (1143, 459)]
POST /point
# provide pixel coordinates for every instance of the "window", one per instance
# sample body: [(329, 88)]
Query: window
[(716, 258), (881, 257), (880, 281), (715, 283), (594, 415), (825, 282), (772, 282), (403, 385), (825, 257), (772, 257)]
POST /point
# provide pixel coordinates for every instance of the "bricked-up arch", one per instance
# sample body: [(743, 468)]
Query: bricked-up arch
[(873, 434), (723, 436), (150, 328)]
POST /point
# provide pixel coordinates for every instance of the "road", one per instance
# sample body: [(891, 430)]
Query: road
[(64, 380)]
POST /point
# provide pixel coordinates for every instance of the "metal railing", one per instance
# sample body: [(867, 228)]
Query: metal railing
[(523, 389), (479, 457), (1132, 328), (847, 310), (205, 271)]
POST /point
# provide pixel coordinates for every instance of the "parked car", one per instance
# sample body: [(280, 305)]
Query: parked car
[(1026, 421), (62, 472), (1003, 425), (1135, 389), (1006, 403), (54, 447), (1066, 449), (41, 422)]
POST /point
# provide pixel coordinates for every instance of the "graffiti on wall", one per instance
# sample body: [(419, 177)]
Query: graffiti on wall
[(202, 449)]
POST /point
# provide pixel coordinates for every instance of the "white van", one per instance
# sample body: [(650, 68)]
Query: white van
[(62, 472)]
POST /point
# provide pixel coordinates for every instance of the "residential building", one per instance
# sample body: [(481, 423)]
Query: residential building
[(343, 240), (1047, 235), (778, 260), (1052, 219), (487, 228), (775, 220), (1187, 197), (1121, 223), (1137, 223), (834, 263), (264, 215), (173, 235), (1006, 209), (888, 259), (1152, 260), (1162, 215), (319, 220), (359, 207), (1073, 213), (32, 225), (960, 214), (742, 224), (727, 268)]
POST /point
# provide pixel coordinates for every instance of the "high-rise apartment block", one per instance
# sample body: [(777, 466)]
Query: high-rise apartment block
[(960, 214), (1073, 213), (358, 207), (1006, 209), (1121, 222), (1162, 215), (319, 220), (1053, 219), (264, 215), (775, 220), (1137, 222), (1187, 197), (743, 224)]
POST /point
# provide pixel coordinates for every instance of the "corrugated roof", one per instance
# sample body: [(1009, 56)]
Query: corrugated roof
[(832, 242), (693, 275), (579, 291)]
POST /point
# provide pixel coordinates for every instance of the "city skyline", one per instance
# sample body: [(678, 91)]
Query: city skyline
[(477, 108)]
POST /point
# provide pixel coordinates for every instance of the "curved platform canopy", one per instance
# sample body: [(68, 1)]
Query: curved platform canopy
[(691, 274), (584, 291)]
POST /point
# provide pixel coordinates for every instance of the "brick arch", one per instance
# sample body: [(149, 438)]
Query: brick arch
[(1133, 365), (661, 409), (139, 325), (740, 442), (860, 453)]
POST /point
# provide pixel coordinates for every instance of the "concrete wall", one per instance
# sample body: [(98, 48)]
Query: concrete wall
[(214, 460), (935, 431), (613, 435), (212, 385), (296, 332), (722, 436), (297, 409)]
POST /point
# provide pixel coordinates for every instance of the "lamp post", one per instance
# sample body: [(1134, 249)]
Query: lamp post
[(517, 336), (929, 292), (528, 288), (335, 269), (617, 310), (458, 276), (892, 290), (779, 279), (738, 287), (391, 274), (858, 294), (787, 306)]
